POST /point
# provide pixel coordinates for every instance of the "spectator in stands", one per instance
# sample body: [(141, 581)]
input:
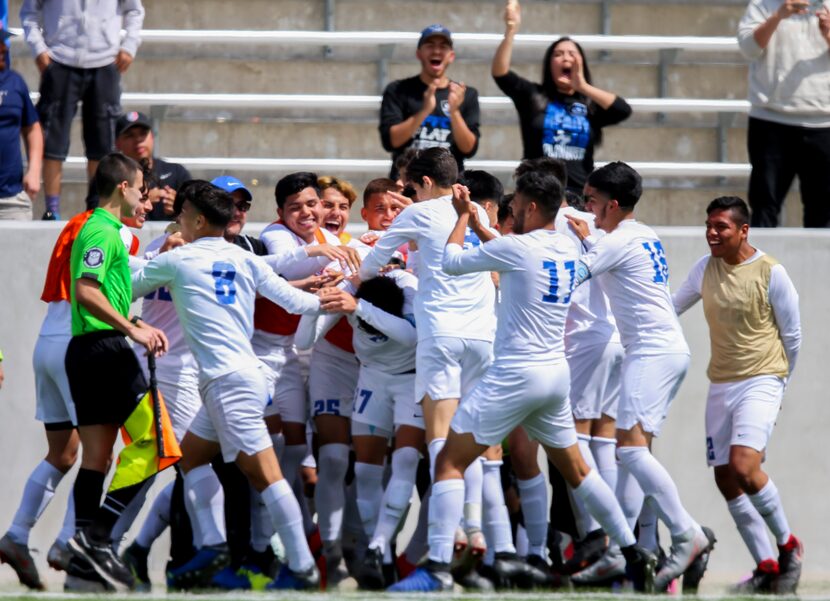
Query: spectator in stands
[(486, 190), (789, 122), (430, 110), (134, 138), (80, 54), (18, 118), (242, 199), (563, 116)]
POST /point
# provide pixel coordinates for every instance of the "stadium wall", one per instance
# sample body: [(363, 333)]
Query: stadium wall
[(796, 462)]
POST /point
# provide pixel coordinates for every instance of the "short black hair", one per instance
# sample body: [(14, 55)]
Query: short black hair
[(385, 294), (504, 208), (211, 201), (556, 167), (294, 183), (543, 188), (113, 169), (619, 181), (574, 200), (438, 164), (482, 185), (380, 185), (740, 211)]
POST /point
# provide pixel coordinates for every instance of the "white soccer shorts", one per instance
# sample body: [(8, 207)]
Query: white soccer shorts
[(649, 385), (232, 413), (595, 380), (180, 391), (742, 414), (332, 381), (534, 396), (449, 368), (284, 374), (386, 401), (54, 403)]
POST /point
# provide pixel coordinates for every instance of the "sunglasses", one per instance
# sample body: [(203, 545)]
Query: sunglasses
[(243, 205)]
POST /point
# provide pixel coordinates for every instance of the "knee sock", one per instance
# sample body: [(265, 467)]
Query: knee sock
[(496, 518), (648, 526), (768, 503), (262, 527), (369, 483), (522, 542), (204, 493), (473, 482), (68, 528), (127, 518), (292, 457), (157, 519), (445, 511), (533, 494), (657, 484), (598, 499), (89, 486), (433, 448), (330, 494), (287, 520), (629, 495), (116, 504), (751, 527), (585, 521), (395, 497), (604, 451), (39, 490), (418, 545)]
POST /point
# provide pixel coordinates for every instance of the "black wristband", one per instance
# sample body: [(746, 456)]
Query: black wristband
[(135, 319)]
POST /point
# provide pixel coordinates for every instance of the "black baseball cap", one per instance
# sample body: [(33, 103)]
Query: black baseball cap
[(435, 30), (132, 119)]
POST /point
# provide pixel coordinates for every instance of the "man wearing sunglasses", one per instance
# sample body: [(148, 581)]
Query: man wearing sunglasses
[(242, 198)]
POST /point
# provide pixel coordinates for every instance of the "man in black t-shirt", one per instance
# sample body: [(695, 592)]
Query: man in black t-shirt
[(429, 110), (134, 137)]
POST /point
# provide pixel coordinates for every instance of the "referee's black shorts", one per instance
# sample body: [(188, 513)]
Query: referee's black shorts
[(105, 378)]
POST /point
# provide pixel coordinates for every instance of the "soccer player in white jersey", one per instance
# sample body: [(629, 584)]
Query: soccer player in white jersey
[(751, 307), (631, 264), (214, 284), (528, 382)]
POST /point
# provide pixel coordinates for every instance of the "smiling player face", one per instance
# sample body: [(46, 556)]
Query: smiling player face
[(302, 213), (335, 210)]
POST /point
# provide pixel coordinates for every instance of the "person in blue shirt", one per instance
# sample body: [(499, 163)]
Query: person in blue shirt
[(18, 118)]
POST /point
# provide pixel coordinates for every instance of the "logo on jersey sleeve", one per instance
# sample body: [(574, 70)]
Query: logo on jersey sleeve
[(471, 240), (94, 257), (566, 132)]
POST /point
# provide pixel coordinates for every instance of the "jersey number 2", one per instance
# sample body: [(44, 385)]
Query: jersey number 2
[(224, 274), (555, 295)]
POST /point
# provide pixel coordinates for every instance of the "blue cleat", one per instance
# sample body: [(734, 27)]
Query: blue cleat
[(288, 579), (434, 577), (199, 571), (230, 580)]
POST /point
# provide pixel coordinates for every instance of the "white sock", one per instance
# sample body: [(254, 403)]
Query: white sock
[(496, 517), (68, 528), (751, 527), (648, 526), (292, 457), (533, 494), (207, 500), (369, 482), (158, 518), (396, 496), (522, 542), (127, 518), (601, 503), (445, 510), (330, 493), (262, 527), (433, 448), (473, 483), (604, 451), (39, 490), (585, 520), (288, 522), (768, 503), (657, 484), (630, 495)]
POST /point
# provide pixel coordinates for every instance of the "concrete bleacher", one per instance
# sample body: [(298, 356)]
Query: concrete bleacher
[(208, 66)]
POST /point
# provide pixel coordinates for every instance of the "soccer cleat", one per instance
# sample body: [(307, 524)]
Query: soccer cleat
[(684, 550), (608, 567), (640, 566), (694, 573), (200, 570), (229, 579), (103, 559), (59, 556), (257, 579), (790, 558), (404, 566), (135, 558), (761, 581), (541, 564), (288, 579), (81, 577), (476, 543), (518, 573), (20, 560), (473, 581), (586, 552), (433, 577), (336, 571), (370, 575)]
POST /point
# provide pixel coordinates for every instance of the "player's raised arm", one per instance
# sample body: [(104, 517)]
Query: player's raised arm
[(151, 275), (278, 291), (404, 229)]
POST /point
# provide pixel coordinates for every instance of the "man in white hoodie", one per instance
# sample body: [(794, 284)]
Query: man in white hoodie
[(789, 123)]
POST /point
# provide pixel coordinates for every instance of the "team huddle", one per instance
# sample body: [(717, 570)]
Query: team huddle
[(313, 383)]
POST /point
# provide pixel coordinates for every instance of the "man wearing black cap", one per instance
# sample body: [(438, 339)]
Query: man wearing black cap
[(429, 110)]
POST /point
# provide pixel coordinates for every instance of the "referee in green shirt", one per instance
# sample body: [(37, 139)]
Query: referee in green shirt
[(105, 377)]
